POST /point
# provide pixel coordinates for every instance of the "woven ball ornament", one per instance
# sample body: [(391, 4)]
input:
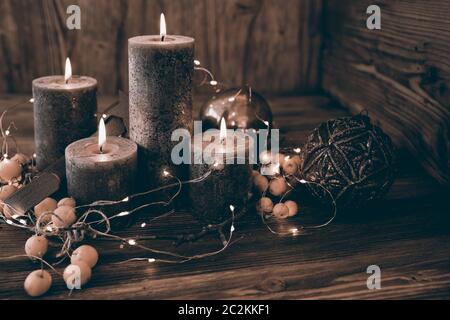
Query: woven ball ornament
[(350, 157)]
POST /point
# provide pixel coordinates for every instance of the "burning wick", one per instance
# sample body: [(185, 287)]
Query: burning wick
[(68, 71), (223, 131), (162, 27), (101, 135)]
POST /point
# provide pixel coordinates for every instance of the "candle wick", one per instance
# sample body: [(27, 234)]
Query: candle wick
[(162, 38), (101, 149)]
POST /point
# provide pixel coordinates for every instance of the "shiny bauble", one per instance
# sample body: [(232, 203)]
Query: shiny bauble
[(242, 108)]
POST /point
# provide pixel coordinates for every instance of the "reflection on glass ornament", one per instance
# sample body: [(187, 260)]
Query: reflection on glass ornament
[(242, 108)]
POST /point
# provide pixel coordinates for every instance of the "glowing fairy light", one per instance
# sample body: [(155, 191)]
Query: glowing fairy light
[(297, 150), (68, 71), (232, 228), (303, 181), (104, 116), (32, 100), (123, 214), (7, 132), (197, 63), (232, 208), (143, 225), (287, 158), (9, 222), (132, 242), (166, 173), (295, 231), (213, 82), (232, 99), (151, 260), (126, 199)]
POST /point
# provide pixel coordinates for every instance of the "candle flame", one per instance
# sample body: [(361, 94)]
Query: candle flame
[(223, 130), (162, 27), (68, 70), (101, 134)]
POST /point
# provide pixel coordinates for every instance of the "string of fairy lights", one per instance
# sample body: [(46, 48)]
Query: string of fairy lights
[(95, 223)]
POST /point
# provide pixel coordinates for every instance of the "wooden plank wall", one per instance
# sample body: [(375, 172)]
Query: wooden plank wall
[(273, 45), (400, 74)]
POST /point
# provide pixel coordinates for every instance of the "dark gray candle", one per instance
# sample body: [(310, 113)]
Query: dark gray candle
[(107, 173), (64, 111), (160, 99), (228, 184)]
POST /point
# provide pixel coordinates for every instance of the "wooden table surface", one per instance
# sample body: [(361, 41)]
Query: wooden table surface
[(407, 235)]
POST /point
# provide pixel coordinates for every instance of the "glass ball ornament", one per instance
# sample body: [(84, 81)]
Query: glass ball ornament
[(242, 108)]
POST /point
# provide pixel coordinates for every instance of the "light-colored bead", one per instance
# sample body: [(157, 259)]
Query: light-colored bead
[(278, 187), (21, 158), (85, 253), (38, 283), (46, 205), (265, 205), (64, 217), (36, 246), (69, 202), (261, 182), (280, 211), (10, 170), (290, 166), (5, 193), (293, 207), (79, 273)]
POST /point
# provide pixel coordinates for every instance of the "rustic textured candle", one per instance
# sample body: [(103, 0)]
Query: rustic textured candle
[(94, 175), (160, 99), (63, 113), (228, 184)]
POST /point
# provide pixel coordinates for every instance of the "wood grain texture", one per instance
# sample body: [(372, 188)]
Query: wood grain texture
[(273, 46), (407, 235), (399, 74)]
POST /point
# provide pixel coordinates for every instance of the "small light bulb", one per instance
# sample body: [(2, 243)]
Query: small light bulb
[(232, 99), (132, 242), (232, 228), (294, 231), (232, 208), (166, 173), (126, 199), (213, 83), (297, 150), (104, 116), (7, 132), (197, 63), (151, 260), (303, 181), (32, 100), (123, 214), (143, 225)]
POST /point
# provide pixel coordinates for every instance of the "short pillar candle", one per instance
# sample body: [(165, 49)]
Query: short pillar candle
[(101, 171)]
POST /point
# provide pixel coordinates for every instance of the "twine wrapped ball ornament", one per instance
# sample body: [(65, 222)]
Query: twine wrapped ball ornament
[(350, 157), (242, 108)]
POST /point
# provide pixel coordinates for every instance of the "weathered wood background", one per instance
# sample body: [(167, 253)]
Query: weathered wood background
[(272, 45), (400, 74)]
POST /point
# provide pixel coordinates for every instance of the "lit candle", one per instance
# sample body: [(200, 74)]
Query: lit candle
[(102, 168), (65, 110), (161, 68), (229, 182)]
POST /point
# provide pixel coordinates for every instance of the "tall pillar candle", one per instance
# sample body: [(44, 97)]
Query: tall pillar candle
[(65, 110), (161, 70)]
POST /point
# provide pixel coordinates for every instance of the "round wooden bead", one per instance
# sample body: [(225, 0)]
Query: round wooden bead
[(293, 207), (21, 158), (36, 246), (278, 186), (85, 253), (38, 283), (64, 217), (69, 202), (266, 205), (5, 193), (280, 211), (46, 205), (290, 166), (9, 170), (79, 271), (261, 182)]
